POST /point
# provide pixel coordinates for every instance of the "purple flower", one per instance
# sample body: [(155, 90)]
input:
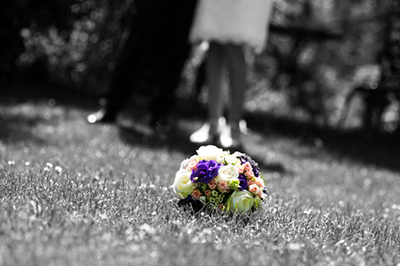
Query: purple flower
[(243, 182), (206, 171)]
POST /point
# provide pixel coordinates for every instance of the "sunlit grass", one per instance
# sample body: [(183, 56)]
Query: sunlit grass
[(75, 194)]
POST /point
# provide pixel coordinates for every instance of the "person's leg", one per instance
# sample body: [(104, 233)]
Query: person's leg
[(237, 67), (174, 50), (214, 76), (214, 71), (200, 80), (121, 82), (164, 100), (135, 48)]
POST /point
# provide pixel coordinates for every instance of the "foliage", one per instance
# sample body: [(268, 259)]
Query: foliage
[(325, 43), (71, 42), (313, 63)]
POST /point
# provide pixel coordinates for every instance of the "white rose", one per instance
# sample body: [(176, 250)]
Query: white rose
[(184, 164), (228, 173), (240, 201), (182, 185), (231, 159), (210, 152), (238, 154)]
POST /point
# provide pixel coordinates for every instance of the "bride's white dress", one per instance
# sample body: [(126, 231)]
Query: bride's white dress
[(232, 21)]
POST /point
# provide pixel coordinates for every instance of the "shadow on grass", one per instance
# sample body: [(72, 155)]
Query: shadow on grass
[(17, 128), (355, 145), (136, 134), (48, 92), (176, 140), (383, 151)]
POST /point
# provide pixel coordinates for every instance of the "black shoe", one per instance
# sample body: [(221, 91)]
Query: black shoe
[(104, 115)]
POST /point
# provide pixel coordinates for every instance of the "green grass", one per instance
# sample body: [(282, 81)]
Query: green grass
[(76, 194)]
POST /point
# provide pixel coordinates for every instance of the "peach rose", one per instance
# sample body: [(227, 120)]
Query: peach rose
[(196, 194), (212, 184), (259, 182), (192, 164), (249, 174), (241, 169), (254, 189), (247, 167), (250, 182), (208, 193), (222, 186)]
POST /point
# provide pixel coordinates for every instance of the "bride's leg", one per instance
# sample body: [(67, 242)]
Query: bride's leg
[(237, 68), (209, 132), (214, 72)]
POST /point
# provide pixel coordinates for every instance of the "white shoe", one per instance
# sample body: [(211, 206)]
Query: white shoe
[(202, 135), (208, 133), (231, 137), (226, 137), (243, 127)]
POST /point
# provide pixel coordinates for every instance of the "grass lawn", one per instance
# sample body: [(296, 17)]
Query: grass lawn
[(79, 194)]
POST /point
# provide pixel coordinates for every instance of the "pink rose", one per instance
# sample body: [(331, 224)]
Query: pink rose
[(212, 184), (208, 193), (221, 207), (249, 174), (196, 194), (250, 182), (192, 165), (259, 182), (247, 167), (222, 186), (260, 194), (241, 169), (254, 189)]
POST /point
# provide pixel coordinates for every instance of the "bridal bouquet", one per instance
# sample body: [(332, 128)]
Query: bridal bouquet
[(220, 180)]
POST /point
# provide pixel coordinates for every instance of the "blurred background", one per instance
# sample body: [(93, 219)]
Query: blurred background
[(329, 62)]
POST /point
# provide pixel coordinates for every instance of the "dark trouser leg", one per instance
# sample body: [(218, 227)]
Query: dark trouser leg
[(136, 46), (173, 53)]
